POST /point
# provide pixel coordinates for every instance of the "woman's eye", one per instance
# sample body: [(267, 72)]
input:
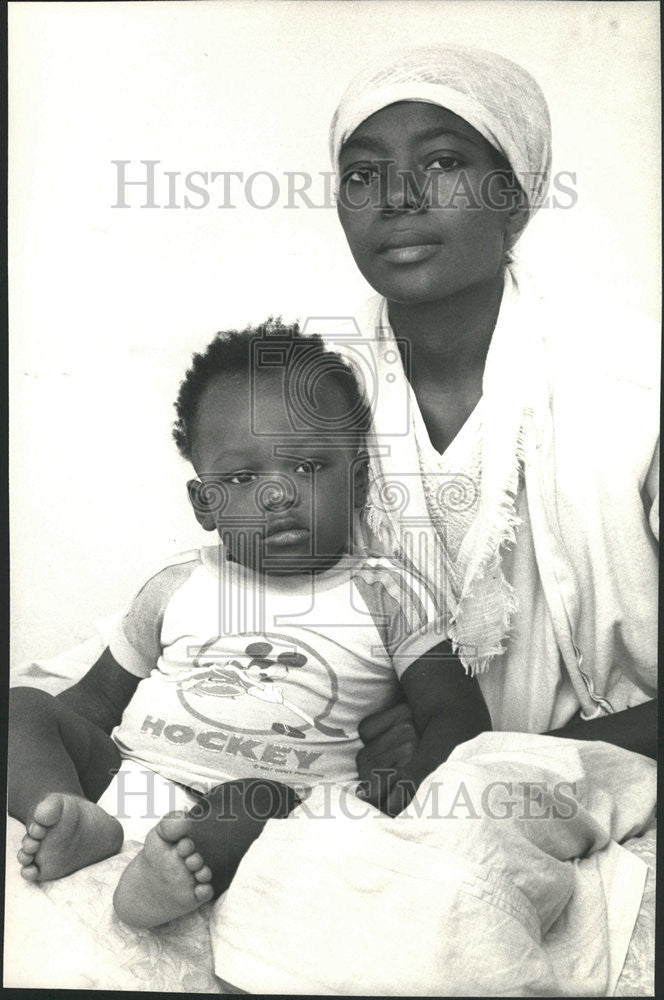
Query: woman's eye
[(447, 162), (360, 175), (309, 467), (240, 478)]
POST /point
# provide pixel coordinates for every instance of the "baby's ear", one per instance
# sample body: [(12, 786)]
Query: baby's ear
[(204, 502), (360, 480)]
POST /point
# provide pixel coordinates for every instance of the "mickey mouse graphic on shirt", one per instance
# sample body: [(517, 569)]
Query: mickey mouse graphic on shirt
[(254, 674)]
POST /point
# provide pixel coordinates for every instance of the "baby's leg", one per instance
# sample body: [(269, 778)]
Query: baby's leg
[(191, 858), (58, 761)]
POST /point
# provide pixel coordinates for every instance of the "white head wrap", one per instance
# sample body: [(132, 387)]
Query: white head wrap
[(494, 95)]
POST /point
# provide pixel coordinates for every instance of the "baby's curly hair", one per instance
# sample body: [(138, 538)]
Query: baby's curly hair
[(233, 352)]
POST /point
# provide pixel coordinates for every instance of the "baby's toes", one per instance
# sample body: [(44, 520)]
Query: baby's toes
[(203, 874), (31, 873), (173, 827), (185, 847), (29, 845), (194, 861), (204, 892), (37, 831)]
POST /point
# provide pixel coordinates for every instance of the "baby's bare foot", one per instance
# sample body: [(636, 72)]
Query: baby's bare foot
[(167, 879), (67, 833)]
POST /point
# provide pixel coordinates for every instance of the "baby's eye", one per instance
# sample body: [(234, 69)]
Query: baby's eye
[(240, 478), (309, 466), (447, 162), (360, 175)]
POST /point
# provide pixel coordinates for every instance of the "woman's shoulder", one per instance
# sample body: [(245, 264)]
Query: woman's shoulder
[(589, 334)]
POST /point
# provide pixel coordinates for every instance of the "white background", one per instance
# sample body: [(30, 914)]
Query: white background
[(108, 304)]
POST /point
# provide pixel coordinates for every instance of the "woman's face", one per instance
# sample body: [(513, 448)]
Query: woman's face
[(424, 210)]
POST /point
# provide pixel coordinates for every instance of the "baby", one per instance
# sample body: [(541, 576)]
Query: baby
[(242, 671)]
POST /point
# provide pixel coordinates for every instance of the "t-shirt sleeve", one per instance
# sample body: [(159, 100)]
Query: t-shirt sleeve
[(136, 641), (406, 611)]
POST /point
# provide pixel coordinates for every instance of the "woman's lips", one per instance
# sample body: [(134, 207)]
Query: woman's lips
[(288, 536), (409, 255)]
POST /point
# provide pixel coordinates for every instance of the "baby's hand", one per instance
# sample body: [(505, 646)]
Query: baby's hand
[(390, 741), (400, 795)]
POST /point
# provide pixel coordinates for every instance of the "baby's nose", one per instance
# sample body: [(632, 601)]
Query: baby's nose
[(277, 494)]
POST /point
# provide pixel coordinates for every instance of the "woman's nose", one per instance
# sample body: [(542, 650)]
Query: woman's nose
[(401, 188)]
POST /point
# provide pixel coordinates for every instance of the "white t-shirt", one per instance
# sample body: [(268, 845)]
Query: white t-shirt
[(242, 678)]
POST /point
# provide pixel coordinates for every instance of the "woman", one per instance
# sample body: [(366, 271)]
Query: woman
[(524, 479), (499, 418)]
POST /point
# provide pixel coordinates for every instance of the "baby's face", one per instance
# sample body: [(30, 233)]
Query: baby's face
[(281, 501)]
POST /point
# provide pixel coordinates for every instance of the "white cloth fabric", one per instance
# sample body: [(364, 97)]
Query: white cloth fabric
[(500, 879), (243, 677), (571, 388), (528, 686), (494, 95), (468, 499)]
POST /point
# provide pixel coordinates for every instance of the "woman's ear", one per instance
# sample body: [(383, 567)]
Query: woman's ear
[(360, 480), (204, 504), (517, 214)]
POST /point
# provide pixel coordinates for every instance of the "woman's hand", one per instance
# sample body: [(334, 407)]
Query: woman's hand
[(391, 741), (409, 741)]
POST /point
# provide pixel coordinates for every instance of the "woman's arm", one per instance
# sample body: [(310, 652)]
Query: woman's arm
[(102, 695), (391, 739), (447, 709), (633, 729)]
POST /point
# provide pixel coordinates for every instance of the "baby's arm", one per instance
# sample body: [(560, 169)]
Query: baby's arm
[(448, 708), (102, 695)]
